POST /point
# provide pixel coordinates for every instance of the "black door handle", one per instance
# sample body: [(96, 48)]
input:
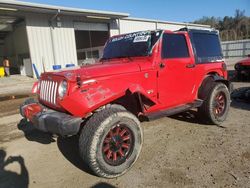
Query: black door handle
[(190, 65), (162, 65)]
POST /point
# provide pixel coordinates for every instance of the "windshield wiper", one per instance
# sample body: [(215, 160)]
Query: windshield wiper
[(105, 58), (128, 57)]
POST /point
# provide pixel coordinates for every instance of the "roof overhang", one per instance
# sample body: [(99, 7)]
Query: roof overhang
[(21, 6)]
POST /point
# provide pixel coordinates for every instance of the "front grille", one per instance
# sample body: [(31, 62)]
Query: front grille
[(48, 91)]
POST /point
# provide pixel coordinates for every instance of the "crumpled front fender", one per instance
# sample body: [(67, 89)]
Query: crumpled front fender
[(89, 98)]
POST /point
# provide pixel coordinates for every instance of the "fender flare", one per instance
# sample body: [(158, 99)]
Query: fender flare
[(218, 78), (209, 81)]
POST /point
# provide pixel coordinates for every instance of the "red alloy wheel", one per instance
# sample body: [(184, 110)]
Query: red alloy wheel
[(219, 104), (118, 145)]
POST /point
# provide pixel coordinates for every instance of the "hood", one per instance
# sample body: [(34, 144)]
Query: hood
[(98, 70)]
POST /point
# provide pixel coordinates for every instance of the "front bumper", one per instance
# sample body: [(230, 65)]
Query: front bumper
[(49, 120)]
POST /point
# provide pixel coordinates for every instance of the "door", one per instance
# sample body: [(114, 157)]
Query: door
[(176, 71)]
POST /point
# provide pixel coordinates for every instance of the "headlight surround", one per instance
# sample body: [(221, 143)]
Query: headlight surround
[(62, 89)]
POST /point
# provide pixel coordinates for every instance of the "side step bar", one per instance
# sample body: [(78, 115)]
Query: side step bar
[(176, 110)]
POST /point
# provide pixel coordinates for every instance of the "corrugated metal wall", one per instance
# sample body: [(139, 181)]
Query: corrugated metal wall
[(50, 45), (65, 44), (177, 26), (128, 25), (114, 27), (238, 48), (169, 26), (39, 38)]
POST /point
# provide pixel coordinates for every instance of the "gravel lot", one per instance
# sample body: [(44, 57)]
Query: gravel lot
[(15, 84), (178, 151)]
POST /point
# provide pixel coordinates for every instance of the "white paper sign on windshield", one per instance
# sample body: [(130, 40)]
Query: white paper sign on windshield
[(141, 38)]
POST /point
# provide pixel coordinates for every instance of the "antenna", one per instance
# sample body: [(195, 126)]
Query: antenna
[(43, 64)]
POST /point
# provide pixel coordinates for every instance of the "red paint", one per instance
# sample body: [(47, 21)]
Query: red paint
[(34, 89), (245, 62), (220, 103), (117, 145), (104, 82), (31, 110)]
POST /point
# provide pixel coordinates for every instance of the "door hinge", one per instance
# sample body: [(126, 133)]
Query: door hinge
[(158, 96), (157, 74)]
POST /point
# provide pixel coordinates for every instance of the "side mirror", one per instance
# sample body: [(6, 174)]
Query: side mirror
[(248, 55)]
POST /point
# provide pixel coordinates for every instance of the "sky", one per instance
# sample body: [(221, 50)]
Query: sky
[(168, 10)]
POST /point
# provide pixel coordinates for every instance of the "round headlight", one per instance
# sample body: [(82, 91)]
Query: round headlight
[(62, 89)]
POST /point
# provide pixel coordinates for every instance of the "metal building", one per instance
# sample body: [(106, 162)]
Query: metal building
[(45, 35)]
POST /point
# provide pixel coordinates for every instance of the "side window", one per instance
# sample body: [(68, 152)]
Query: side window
[(174, 46), (207, 47)]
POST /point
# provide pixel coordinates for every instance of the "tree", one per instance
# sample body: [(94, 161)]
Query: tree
[(231, 28)]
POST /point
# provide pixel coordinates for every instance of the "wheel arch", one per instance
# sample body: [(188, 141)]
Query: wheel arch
[(208, 82), (134, 102), (218, 78)]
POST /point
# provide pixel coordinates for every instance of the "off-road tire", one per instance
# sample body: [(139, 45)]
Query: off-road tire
[(116, 106), (206, 111), (92, 138)]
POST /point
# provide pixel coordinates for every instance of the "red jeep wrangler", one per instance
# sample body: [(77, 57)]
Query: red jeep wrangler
[(141, 76)]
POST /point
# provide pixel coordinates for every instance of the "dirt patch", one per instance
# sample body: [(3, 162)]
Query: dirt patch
[(246, 155), (12, 97), (10, 104)]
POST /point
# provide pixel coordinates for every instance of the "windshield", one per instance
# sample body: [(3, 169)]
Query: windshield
[(131, 45)]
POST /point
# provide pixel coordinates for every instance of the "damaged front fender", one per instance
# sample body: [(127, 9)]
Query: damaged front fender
[(86, 99)]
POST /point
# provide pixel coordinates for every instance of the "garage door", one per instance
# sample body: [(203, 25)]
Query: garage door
[(83, 26)]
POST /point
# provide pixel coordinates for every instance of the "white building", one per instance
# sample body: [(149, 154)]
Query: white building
[(46, 35)]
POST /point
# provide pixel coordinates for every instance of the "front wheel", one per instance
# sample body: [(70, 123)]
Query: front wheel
[(110, 142), (215, 107)]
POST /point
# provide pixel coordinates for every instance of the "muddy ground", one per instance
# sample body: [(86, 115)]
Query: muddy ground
[(178, 151)]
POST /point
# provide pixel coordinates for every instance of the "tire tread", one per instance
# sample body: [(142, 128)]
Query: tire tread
[(90, 134)]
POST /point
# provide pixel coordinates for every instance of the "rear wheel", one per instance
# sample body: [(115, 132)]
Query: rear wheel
[(216, 104), (110, 142)]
